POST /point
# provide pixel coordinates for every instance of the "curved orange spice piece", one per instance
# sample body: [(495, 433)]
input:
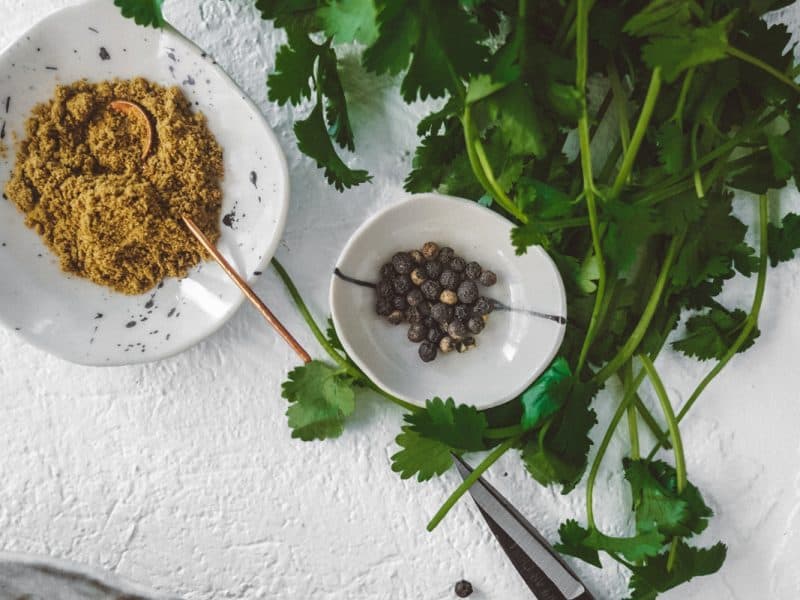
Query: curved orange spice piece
[(125, 106)]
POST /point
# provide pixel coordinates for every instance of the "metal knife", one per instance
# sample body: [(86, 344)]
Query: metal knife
[(542, 569)]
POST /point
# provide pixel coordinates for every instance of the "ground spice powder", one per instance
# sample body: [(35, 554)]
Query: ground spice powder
[(109, 213)]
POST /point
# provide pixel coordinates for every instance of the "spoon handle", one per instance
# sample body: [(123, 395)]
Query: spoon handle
[(247, 290)]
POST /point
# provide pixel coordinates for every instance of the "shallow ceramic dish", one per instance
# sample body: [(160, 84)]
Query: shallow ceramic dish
[(44, 578), (512, 351), (78, 320)]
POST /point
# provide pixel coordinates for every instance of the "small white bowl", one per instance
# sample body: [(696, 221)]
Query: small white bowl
[(513, 349), (72, 317)]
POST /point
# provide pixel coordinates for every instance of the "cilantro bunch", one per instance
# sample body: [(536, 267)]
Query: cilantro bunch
[(613, 134)]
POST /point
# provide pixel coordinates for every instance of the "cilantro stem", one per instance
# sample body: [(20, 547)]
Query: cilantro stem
[(306, 314), (632, 343), (672, 421), (497, 191), (750, 321), (633, 424), (487, 462), (639, 132), (582, 52), (469, 136), (326, 345), (500, 433), (675, 436), (757, 62), (626, 401), (698, 180), (685, 86), (651, 422), (483, 170)]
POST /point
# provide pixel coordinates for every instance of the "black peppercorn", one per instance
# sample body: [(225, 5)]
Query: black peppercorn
[(449, 280), (402, 263), (446, 253), (413, 315), (401, 284), (383, 306), (395, 317), (384, 287), (424, 308), (435, 335), (433, 269), (430, 322), (431, 289), (463, 588), (387, 271), (488, 278), (417, 257), (417, 332), (473, 270), (482, 306), (399, 303), (462, 312), (458, 264), (427, 351), (430, 249), (475, 325), (414, 297), (468, 292), (442, 313), (418, 276), (457, 330)]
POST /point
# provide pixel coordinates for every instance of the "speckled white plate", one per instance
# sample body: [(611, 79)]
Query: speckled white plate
[(45, 578), (78, 320), (513, 349)]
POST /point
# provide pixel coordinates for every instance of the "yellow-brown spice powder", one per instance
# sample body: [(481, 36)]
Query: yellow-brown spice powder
[(109, 213)]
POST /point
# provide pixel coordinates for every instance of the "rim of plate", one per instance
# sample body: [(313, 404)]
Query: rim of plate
[(191, 339), (461, 204)]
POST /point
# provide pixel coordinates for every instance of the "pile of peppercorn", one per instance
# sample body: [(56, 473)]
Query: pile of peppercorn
[(436, 293)]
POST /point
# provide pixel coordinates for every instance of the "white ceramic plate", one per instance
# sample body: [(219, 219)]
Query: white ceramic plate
[(44, 578), (514, 348), (78, 320)]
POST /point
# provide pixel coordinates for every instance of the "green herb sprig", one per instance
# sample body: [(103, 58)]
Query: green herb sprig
[(702, 100)]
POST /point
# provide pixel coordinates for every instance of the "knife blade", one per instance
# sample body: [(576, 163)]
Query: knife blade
[(542, 569)]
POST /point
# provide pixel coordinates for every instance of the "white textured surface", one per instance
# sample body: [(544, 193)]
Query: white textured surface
[(182, 475)]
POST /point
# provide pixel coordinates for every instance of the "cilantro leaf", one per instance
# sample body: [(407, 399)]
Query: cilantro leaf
[(656, 499), (572, 536), (294, 70), (711, 334), (320, 398), (518, 121), (143, 12), (350, 20), (783, 241), (420, 456), (459, 427), (653, 577), (293, 14), (339, 127), (546, 395), (584, 543), (313, 140), (660, 17), (532, 233), (672, 149), (333, 336), (440, 39), (559, 453), (707, 250)]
